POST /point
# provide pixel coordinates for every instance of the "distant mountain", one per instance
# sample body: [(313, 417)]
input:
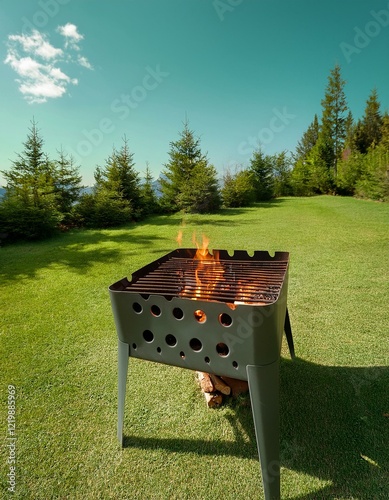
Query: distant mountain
[(89, 189), (156, 185), (86, 190)]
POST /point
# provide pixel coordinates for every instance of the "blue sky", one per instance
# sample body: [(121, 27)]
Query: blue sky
[(244, 72)]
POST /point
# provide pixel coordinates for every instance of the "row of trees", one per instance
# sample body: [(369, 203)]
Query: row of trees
[(44, 194), (335, 155), (341, 155), (39, 193)]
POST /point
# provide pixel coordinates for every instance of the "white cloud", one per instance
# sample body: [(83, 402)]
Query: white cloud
[(40, 90), (36, 62), (37, 44), (72, 36), (83, 61)]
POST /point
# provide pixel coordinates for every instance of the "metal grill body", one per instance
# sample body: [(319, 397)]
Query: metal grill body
[(224, 315)]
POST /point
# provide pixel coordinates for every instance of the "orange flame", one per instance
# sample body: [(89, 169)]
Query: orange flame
[(202, 252), (179, 237), (208, 272)]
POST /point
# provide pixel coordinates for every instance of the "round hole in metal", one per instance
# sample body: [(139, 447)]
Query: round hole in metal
[(222, 349), (159, 350), (148, 336), (200, 316), (171, 340), (235, 364), (195, 344), (134, 346), (207, 360), (178, 313), (155, 310), (137, 307), (182, 355), (225, 319)]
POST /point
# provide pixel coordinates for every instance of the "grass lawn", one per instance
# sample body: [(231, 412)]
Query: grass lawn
[(58, 348)]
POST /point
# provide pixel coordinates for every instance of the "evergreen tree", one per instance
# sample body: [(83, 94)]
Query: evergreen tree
[(350, 171), (333, 125), (369, 128), (119, 180), (385, 131), (29, 210), (261, 166), (238, 189), (308, 140), (301, 175), (30, 179), (282, 174), (374, 179), (350, 134), (301, 178), (67, 182), (320, 180), (189, 182), (148, 196)]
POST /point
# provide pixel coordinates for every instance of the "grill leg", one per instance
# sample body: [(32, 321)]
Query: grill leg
[(123, 360), (264, 394), (288, 334)]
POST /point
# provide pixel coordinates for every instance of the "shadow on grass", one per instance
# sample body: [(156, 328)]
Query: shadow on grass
[(23, 260), (220, 218), (334, 427), (276, 202), (78, 251)]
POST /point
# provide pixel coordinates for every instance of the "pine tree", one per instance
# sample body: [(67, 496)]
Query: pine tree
[(369, 128), (261, 166), (282, 174), (374, 181), (118, 179), (350, 134), (385, 131), (201, 194), (333, 124), (29, 209), (301, 178), (189, 182), (148, 196), (308, 140), (67, 182), (351, 165), (30, 179), (238, 189)]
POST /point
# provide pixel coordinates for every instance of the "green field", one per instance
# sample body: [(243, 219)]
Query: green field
[(58, 348)]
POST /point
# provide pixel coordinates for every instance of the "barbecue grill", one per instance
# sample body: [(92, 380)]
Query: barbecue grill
[(222, 314)]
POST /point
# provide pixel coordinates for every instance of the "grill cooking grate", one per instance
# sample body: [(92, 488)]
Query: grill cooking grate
[(225, 280)]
